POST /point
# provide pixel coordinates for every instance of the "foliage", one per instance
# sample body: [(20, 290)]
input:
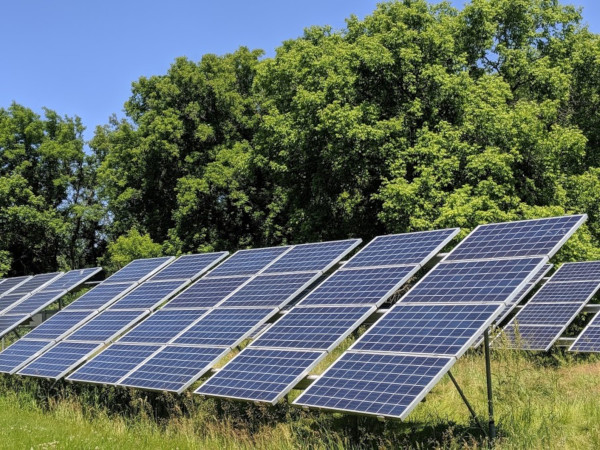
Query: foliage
[(128, 247)]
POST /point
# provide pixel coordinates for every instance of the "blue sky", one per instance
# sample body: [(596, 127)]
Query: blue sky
[(80, 57)]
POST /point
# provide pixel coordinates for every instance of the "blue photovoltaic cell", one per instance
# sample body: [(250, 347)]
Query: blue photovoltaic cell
[(260, 375), (359, 287), (312, 257), (206, 292), (269, 290), (19, 353), (383, 385), (587, 341), (541, 237), (36, 302), (313, 328), (148, 295), (189, 266), (9, 322), (407, 248), (580, 271), (530, 337), (57, 361), (225, 327), (11, 283), (473, 281), (113, 363), (71, 279), (162, 326), (59, 324), (575, 292), (173, 368), (248, 262), (8, 300), (137, 270), (428, 328), (34, 283), (547, 313), (106, 326), (99, 297)]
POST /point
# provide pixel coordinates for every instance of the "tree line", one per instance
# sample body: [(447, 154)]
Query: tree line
[(418, 117)]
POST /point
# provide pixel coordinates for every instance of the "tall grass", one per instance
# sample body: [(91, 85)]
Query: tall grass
[(541, 401)]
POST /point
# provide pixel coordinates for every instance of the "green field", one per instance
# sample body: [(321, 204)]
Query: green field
[(542, 401)]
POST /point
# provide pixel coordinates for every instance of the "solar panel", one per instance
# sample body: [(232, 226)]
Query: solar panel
[(261, 375), (10, 322), (8, 300), (113, 363), (494, 281), (206, 292), (447, 330), (539, 237), (173, 368), (248, 262), (270, 290), (35, 302), (9, 284), (106, 326), (15, 356), (406, 248), (378, 384), (72, 279), (313, 257), (314, 328), (225, 327), (548, 314), (580, 271), (59, 325), (189, 266), (359, 286), (148, 295), (99, 296), (34, 283), (530, 337), (565, 292), (588, 340), (139, 270), (59, 360), (162, 326)]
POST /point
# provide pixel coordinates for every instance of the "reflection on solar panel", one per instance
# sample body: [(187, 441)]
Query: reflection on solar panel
[(429, 328), (162, 326), (261, 374), (359, 287), (550, 311), (270, 290), (312, 257), (189, 266), (248, 262), (57, 361), (225, 327), (173, 368), (370, 383), (113, 363), (148, 295), (310, 328), (373, 377), (15, 356), (106, 326), (206, 292), (139, 270), (407, 248), (99, 297), (539, 237), (59, 325)]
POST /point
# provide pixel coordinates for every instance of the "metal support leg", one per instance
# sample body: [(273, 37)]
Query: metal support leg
[(464, 398), (488, 373), (3, 343), (60, 303), (17, 333)]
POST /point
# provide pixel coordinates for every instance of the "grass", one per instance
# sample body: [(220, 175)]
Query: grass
[(541, 401)]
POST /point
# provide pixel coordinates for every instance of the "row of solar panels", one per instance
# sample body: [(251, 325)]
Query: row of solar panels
[(386, 372)]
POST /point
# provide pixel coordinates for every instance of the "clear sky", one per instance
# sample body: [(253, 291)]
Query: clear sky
[(80, 57)]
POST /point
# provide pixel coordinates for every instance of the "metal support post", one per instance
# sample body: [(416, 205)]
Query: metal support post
[(464, 398), (17, 333), (488, 373)]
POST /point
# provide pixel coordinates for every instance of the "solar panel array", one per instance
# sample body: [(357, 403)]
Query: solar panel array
[(182, 340), (539, 324), (76, 340), (393, 365), (271, 365), (78, 312)]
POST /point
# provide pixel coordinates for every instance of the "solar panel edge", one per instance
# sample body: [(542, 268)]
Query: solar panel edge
[(15, 286)]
